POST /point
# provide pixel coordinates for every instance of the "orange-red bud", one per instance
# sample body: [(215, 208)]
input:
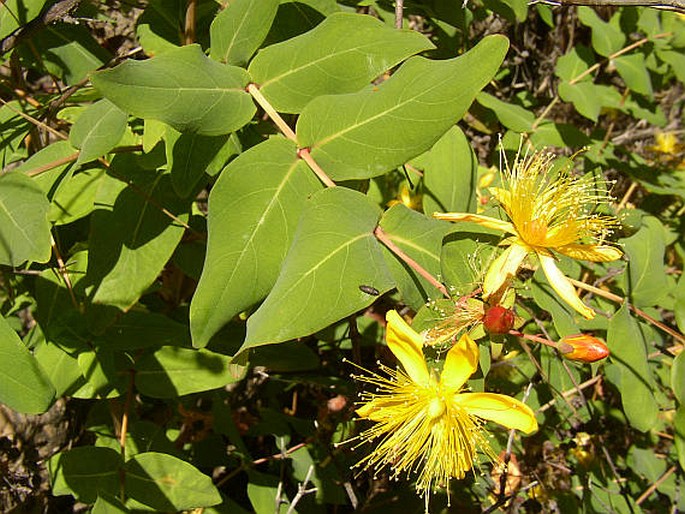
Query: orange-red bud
[(582, 347), (498, 319)]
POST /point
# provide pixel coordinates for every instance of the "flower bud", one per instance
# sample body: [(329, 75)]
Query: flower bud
[(498, 319), (583, 348)]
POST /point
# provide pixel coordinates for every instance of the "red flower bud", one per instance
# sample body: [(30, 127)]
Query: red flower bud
[(498, 320), (582, 347)]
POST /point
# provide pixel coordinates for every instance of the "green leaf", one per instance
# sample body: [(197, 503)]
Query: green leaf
[(512, 116), (340, 55), (131, 239), (633, 71), (66, 50), (678, 377), (260, 196), (139, 329), (190, 156), (564, 318), (465, 256), (24, 227), (108, 504), (400, 120), (15, 13), (629, 352), (420, 238), (168, 484), (262, 490), (679, 431), (680, 303), (677, 62), (59, 367), (449, 174), (171, 372), (583, 96), (85, 472), (183, 88), (645, 251), (607, 38), (574, 63), (75, 196), (50, 165), (13, 131), (240, 28), (333, 240), (99, 129), (24, 386)]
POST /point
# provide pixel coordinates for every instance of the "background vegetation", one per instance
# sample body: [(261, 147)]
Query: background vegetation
[(181, 280)]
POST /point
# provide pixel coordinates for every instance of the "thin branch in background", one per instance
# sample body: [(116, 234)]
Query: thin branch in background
[(669, 5), (656, 484), (399, 13), (383, 238), (302, 490), (619, 299), (191, 17)]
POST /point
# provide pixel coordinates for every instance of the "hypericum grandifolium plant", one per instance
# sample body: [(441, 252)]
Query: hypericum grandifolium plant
[(317, 256)]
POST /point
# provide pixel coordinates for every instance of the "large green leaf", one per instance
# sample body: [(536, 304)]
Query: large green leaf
[(85, 472), (171, 371), (361, 135), (645, 250), (183, 88), (420, 238), (240, 28), (449, 174), (253, 211), (168, 484), (99, 128), (24, 385), (24, 227), (131, 238), (679, 307), (333, 253), (341, 55), (629, 352)]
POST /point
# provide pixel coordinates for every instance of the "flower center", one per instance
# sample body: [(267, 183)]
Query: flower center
[(436, 407), (534, 232)]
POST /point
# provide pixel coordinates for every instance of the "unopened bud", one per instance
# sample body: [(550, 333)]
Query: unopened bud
[(498, 319), (582, 347)]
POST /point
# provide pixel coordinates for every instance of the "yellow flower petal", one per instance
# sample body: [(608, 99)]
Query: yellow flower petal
[(483, 221), (594, 253), (563, 287), (461, 363), (407, 345), (502, 409), (503, 268)]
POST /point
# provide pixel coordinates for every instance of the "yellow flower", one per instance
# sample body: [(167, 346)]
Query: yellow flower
[(546, 215), (426, 422), (409, 198)]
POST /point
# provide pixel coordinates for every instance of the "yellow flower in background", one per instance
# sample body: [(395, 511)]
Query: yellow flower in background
[(547, 215), (408, 198), (427, 423)]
